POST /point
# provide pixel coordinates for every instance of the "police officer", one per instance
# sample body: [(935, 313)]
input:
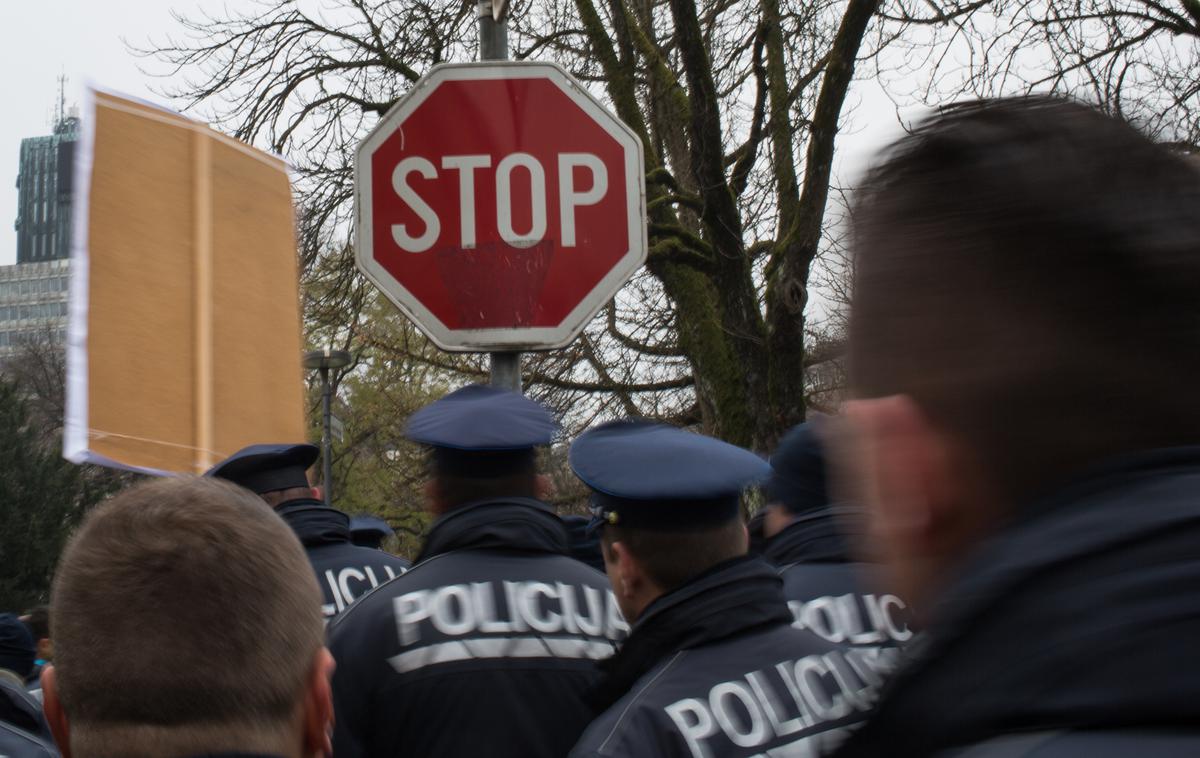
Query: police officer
[(827, 591), (368, 530), (278, 474), (712, 666), (487, 646), (23, 729)]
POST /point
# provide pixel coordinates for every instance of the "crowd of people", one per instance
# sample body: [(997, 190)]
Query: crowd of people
[(993, 551)]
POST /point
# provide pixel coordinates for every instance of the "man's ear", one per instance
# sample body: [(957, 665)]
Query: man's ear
[(318, 706), (902, 470), (632, 587), (56, 717), (316, 493), (433, 496), (543, 487)]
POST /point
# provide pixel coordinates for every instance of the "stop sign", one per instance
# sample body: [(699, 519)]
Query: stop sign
[(500, 206)]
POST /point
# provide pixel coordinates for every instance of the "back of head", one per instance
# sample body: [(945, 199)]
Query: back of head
[(669, 498), (482, 444), (798, 472), (186, 619), (1027, 273)]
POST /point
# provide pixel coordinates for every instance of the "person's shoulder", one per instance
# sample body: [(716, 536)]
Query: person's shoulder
[(378, 557), (376, 603), (628, 727), (1094, 744), (18, 743)]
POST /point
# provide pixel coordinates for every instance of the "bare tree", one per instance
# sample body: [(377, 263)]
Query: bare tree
[(1138, 59), (738, 103)]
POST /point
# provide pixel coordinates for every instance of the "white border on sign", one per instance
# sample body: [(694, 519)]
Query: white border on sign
[(481, 340)]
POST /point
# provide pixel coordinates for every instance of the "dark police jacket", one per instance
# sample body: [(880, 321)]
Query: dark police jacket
[(828, 594), (485, 647), (23, 729), (1071, 633), (715, 669), (344, 570)]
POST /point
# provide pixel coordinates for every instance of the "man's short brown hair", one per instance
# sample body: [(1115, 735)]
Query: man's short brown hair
[(183, 602), (1027, 271), (672, 558)]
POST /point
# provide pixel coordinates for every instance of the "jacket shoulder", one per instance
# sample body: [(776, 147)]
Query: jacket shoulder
[(628, 727), (1094, 744)]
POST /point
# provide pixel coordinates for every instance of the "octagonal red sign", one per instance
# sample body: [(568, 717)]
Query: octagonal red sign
[(500, 206)]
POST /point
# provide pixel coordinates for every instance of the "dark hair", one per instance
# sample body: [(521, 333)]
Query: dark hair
[(469, 476), (1027, 271), (672, 558)]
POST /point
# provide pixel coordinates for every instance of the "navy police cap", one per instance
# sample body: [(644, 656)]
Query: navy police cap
[(653, 476), (268, 468), (370, 524), (482, 431)]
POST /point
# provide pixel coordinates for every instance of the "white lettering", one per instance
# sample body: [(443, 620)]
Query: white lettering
[(411, 609), (338, 600), (406, 193), (568, 198), (344, 577), (445, 620), (718, 700), (773, 708), (826, 706), (551, 622), (537, 200), (466, 165), (695, 729), (485, 609)]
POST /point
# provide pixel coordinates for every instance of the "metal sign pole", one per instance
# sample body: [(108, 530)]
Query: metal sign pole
[(493, 46), (326, 437)]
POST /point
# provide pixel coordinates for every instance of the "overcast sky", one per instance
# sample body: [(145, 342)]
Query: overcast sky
[(84, 40)]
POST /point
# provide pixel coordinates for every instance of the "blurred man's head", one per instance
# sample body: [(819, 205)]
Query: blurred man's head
[(667, 503), (187, 620), (1025, 306), (482, 445)]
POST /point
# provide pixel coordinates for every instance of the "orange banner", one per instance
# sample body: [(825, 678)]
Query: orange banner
[(184, 338)]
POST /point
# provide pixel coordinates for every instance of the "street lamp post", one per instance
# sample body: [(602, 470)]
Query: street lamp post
[(323, 361)]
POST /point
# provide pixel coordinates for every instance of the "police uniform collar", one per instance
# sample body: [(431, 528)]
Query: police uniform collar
[(653, 476), (516, 523), (268, 468)]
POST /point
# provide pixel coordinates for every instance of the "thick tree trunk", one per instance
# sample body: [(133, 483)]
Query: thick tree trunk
[(800, 241)]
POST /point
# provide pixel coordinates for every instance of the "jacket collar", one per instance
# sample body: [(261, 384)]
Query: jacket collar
[(730, 599), (517, 523), (811, 538), (314, 522)]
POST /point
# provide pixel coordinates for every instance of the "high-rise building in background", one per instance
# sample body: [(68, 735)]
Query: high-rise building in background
[(44, 182), (33, 292)]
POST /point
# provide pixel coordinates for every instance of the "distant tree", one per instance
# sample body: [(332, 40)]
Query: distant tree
[(42, 496)]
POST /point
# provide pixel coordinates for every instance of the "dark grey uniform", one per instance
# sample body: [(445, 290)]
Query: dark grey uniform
[(485, 647), (344, 570), (829, 595), (715, 669)]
